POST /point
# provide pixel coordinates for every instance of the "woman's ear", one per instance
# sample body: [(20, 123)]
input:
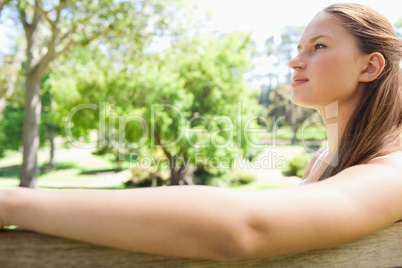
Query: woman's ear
[(375, 64)]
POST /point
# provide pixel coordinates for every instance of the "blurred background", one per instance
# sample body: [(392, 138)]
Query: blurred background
[(119, 94)]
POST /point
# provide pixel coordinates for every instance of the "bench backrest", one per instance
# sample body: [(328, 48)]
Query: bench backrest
[(28, 249)]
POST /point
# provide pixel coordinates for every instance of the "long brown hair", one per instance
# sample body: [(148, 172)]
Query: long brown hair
[(375, 126)]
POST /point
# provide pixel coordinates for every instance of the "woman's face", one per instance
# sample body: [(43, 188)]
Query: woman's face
[(328, 65)]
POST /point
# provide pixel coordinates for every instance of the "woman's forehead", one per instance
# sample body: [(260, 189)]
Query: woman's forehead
[(324, 24)]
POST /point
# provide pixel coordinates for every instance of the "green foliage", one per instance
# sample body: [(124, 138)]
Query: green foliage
[(146, 178), (12, 119), (210, 98), (11, 128), (178, 100), (189, 99), (398, 27), (52, 28), (282, 108), (283, 52), (282, 105), (232, 178), (399, 23), (309, 133), (297, 165)]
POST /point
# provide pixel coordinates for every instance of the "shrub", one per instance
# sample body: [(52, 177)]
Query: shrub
[(297, 165), (234, 178), (146, 178)]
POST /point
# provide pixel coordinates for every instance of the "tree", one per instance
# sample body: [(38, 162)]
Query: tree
[(398, 27), (11, 74), (96, 80), (198, 93), (282, 105), (181, 103), (49, 126), (12, 118), (52, 28), (11, 123), (280, 100), (285, 51)]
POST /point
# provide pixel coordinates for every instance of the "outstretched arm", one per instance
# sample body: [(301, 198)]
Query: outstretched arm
[(187, 221), (213, 223)]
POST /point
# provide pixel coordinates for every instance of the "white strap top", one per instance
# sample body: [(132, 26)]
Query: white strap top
[(326, 151), (315, 163), (318, 159)]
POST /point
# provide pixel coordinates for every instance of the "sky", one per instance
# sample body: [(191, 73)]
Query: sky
[(265, 18)]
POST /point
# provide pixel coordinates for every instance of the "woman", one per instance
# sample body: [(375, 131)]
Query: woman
[(347, 66)]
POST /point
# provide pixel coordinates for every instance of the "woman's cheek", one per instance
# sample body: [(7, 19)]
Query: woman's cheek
[(325, 67), (331, 71)]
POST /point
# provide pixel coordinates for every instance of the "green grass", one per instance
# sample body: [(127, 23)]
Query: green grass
[(75, 168), (309, 133), (6, 183), (78, 168)]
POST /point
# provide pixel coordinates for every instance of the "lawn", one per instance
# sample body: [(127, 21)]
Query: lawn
[(79, 168), (75, 168), (309, 133)]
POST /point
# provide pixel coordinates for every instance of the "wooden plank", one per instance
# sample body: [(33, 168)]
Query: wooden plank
[(29, 249)]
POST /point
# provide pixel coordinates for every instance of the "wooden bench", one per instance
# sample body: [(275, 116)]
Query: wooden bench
[(20, 248)]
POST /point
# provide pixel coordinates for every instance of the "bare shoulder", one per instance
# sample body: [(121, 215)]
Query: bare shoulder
[(375, 188), (356, 202), (391, 160), (389, 165), (384, 171)]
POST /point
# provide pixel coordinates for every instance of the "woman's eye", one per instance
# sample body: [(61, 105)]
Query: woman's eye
[(318, 46)]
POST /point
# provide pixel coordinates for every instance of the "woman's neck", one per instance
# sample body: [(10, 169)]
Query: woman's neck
[(335, 115)]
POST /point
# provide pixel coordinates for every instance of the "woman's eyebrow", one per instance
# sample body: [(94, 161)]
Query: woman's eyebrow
[(312, 40)]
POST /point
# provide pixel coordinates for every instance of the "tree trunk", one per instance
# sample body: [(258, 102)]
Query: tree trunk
[(52, 162), (1, 6), (32, 113), (293, 121), (174, 177), (294, 139), (177, 177)]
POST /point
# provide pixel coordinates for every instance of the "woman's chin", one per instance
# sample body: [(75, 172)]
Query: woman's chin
[(303, 102)]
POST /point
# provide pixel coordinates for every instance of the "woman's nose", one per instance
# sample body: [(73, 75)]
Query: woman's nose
[(297, 63)]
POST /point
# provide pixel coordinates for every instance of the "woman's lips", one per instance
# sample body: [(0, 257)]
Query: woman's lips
[(298, 83), (299, 80)]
